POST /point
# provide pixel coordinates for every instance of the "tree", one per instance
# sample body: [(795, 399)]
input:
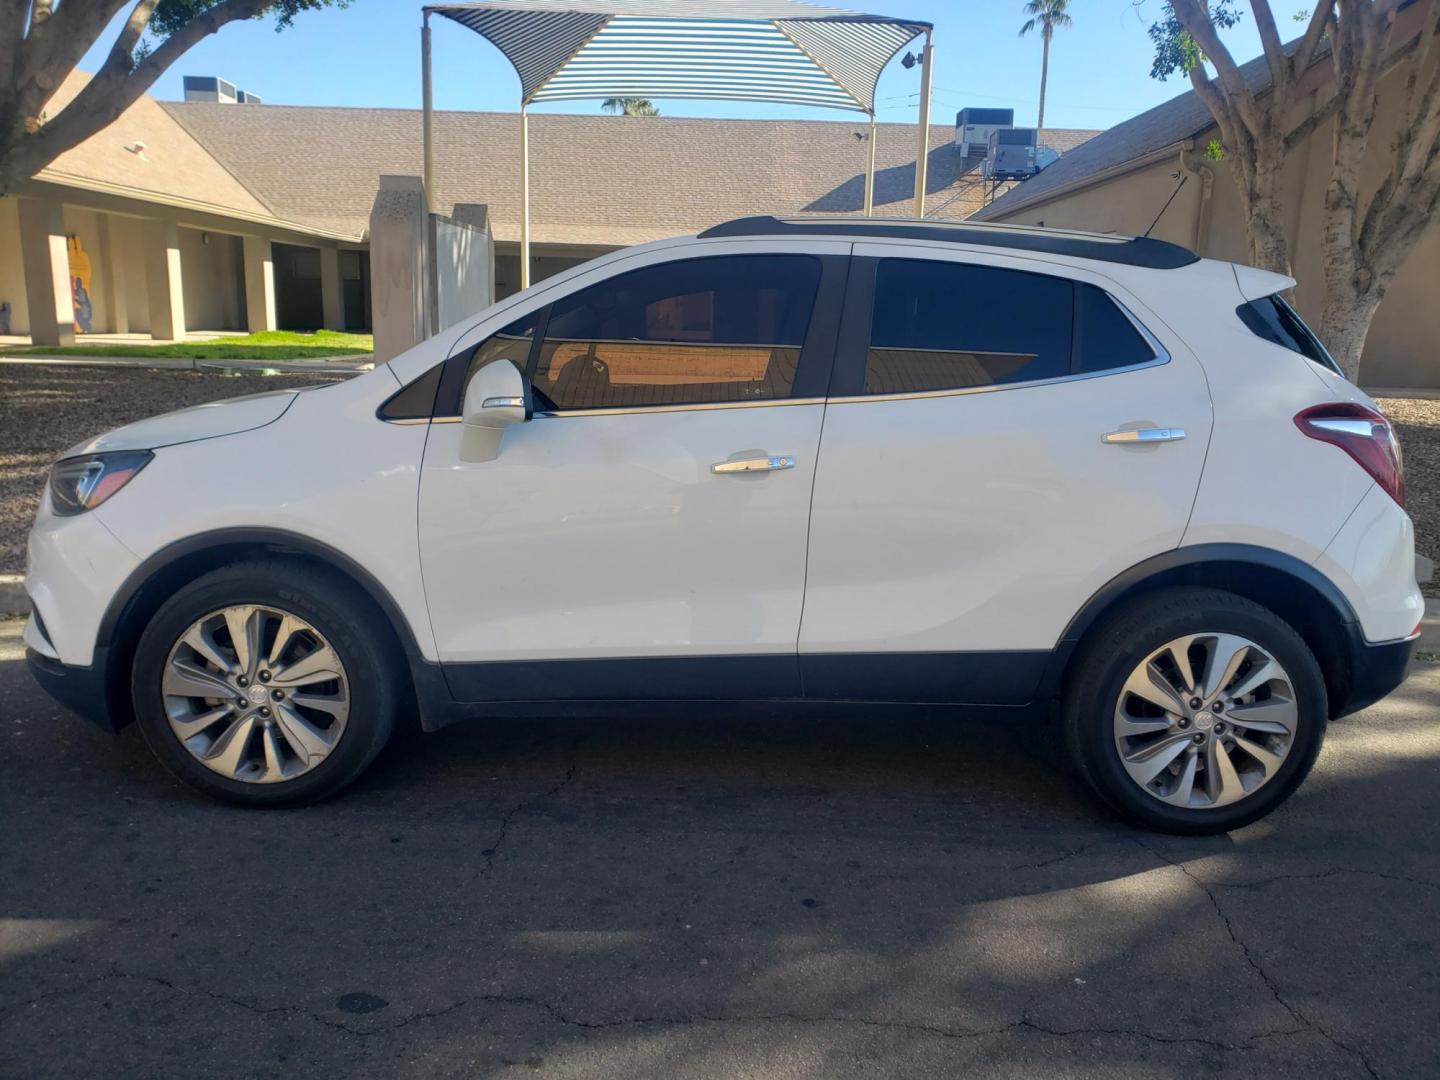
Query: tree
[(41, 42), (1367, 230), (630, 106), (1046, 15)]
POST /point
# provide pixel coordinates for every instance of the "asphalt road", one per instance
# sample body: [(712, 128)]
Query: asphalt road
[(782, 897)]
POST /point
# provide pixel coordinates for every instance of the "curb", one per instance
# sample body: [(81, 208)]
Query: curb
[(14, 600)]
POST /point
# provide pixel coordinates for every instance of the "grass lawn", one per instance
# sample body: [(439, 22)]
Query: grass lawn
[(270, 345)]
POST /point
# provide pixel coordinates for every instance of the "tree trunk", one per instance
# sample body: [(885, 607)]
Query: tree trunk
[(1344, 324), (1044, 73)]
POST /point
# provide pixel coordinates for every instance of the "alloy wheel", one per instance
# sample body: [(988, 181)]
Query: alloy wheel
[(1205, 720), (256, 694)]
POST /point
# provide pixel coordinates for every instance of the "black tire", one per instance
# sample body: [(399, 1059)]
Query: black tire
[(335, 609), (1121, 641)]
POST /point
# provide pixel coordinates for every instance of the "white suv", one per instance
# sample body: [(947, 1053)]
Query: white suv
[(1055, 474)]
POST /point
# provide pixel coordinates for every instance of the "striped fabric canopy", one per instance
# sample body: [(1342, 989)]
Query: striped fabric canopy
[(736, 50)]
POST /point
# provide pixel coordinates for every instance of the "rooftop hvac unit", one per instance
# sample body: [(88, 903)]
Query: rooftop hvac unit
[(1011, 154), (973, 128)]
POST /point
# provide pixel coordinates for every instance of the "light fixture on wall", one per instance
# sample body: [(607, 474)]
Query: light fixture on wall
[(205, 238)]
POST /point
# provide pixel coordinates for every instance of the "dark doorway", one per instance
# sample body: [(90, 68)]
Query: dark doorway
[(355, 290), (298, 305)]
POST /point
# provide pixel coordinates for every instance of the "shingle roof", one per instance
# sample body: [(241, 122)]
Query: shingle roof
[(602, 180), (1182, 117)]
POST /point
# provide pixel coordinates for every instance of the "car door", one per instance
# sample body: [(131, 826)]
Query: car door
[(985, 468), (643, 536)]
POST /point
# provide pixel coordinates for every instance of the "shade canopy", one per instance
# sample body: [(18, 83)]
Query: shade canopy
[(737, 50)]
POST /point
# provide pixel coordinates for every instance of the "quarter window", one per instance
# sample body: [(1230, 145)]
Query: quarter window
[(722, 329), (951, 326)]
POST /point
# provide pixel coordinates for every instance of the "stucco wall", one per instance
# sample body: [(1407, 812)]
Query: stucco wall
[(12, 268), (210, 273)]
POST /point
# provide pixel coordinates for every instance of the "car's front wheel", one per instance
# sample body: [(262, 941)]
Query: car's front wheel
[(265, 683), (1194, 710)]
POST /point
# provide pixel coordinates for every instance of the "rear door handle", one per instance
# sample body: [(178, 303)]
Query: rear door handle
[(1144, 435), (749, 465)]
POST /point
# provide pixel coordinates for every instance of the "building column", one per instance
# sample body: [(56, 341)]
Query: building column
[(332, 301), (163, 285), (259, 285), (46, 262), (112, 259)]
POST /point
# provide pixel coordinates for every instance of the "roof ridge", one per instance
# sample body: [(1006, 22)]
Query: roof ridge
[(194, 137)]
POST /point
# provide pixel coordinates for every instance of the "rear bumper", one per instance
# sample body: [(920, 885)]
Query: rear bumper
[(82, 690), (1375, 670)]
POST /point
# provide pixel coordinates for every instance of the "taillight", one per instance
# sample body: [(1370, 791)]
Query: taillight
[(1363, 434)]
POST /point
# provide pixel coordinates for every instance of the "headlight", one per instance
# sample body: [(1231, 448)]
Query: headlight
[(82, 483)]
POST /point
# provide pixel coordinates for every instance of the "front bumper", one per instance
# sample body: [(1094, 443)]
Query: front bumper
[(85, 691), (1375, 670)]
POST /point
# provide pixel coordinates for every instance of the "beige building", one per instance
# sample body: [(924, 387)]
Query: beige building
[(217, 216), (162, 237), (1151, 172)]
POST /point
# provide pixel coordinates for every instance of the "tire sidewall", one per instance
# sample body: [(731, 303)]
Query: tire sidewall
[(1093, 709), (324, 604)]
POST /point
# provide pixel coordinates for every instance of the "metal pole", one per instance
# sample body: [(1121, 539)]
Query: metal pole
[(870, 172), (427, 102), (524, 198), (922, 153)]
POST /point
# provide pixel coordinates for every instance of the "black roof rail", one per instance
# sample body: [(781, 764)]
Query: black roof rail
[(1128, 250)]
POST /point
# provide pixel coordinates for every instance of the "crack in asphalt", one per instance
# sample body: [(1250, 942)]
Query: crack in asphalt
[(1253, 961), (1062, 857), (490, 853), (1025, 1022)]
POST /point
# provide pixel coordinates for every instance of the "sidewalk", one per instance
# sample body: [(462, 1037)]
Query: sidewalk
[(352, 364)]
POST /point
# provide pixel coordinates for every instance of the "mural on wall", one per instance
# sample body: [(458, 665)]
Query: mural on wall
[(79, 284)]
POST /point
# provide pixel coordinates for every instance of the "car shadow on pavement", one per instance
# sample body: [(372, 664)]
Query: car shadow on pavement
[(816, 895)]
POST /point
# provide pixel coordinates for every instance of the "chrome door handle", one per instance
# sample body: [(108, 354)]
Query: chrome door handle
[(1145, 435), (748, 465)]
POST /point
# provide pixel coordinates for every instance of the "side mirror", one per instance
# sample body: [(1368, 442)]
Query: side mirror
[(498, 397)]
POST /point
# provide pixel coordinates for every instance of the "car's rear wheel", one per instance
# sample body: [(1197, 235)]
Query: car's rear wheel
[(265, 683), (1194, 710)]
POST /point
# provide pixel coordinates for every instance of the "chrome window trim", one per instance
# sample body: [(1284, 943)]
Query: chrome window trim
[(991, 388)]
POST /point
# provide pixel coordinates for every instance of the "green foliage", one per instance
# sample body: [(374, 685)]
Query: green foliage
[(1175, 50), (1046, 15), (170, 15), (269, 345), (630, 106), (1215, 150)]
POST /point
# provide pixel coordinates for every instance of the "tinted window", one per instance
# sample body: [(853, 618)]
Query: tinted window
[(943, 326), (1276, 321), (415, 400), (1104, 336), (511, 343), (722, 329)]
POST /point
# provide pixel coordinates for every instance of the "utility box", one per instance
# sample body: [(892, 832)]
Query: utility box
[(1011, 154), (973, 128)]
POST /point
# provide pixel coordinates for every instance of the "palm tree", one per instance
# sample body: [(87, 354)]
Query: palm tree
[(1046, 15), (630, 106)]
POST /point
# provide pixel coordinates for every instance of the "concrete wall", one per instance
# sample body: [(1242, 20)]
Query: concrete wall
[(1403, 348), (464, 270)]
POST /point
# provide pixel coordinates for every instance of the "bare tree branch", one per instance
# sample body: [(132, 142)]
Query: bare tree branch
[(1321, 20), (1194, 16), (55, 46), (1272, 46), (119, 83)]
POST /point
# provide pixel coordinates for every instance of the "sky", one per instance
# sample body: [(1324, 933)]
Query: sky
[(369, 55)]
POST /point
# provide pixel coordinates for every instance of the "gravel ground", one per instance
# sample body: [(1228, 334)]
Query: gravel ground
[(1417, 421), (46, 410), (43, 411)]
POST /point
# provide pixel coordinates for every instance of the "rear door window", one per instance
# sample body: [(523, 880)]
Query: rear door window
[(952, 326), (944, 326)]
